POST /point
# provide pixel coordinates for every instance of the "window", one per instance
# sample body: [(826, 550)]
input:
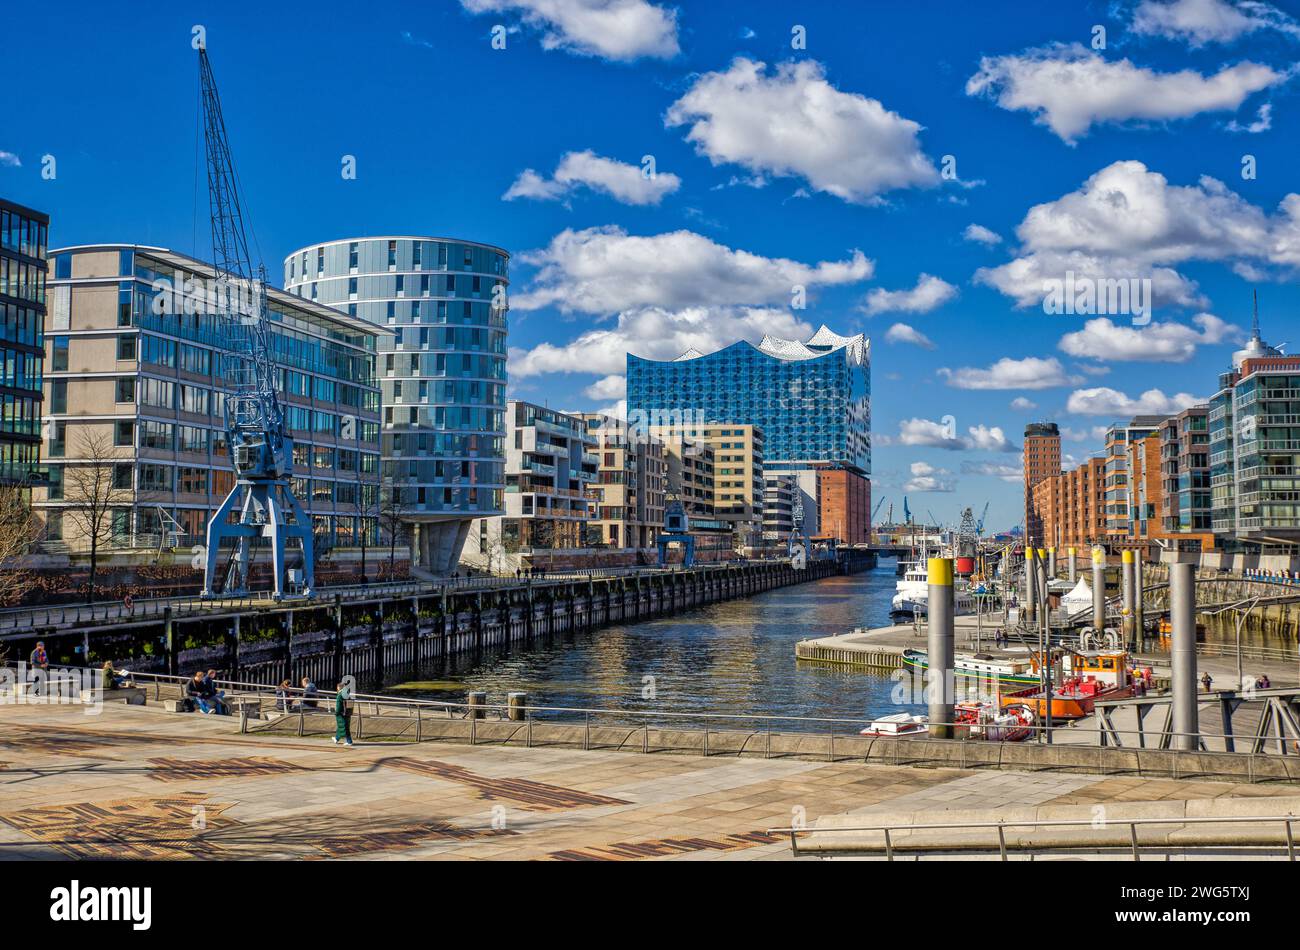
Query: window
[(192, 480), (155, 478), (123, 474), (59, 355), (156, 435), (59, 396), (158, 393), (125, 389), (126, 347)]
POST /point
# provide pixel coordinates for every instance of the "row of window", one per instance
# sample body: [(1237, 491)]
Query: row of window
[(23, 235), (20, 324), (22, 280)]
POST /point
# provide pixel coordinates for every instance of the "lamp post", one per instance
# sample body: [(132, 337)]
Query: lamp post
[(1241, 617)]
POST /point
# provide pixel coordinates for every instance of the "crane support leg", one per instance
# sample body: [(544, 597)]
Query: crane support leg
[(267, 509)]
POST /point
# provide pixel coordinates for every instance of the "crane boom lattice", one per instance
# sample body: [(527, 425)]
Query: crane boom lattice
[(261, 504)]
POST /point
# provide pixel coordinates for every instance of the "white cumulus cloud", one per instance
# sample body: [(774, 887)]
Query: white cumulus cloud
[(793, 122), (930, 292), (1198, 22), (1070, 88), (902, 333), (1103, 339), (1127, 221), (10, 160), (1007, 473), (1021, 404), (621, 181), (943, 435), (605, 270), (654, 333), (1032, 372), (622, 30), (613, 386), (928, 478), (1104, 401), (981, 235)]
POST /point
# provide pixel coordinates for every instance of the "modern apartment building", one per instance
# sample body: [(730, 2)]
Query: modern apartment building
[(779, 493), (1121, 494), (1042, 459), (1071, 506), (24, 237), (810, 399), (690, 476), (442, 371), (135, 386), (1185, 479), (550, 464), (631, 484), (1254, 447)]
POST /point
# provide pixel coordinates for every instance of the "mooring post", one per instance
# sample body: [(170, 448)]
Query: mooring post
[(1074, 567), (1099, 589), (1182, 617), (1031, 594), (170, 636), (1127, 602), (939, 662), (1051, 564), (1139, 609)]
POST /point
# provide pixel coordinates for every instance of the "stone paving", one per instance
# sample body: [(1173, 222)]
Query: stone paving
[(139, 783)]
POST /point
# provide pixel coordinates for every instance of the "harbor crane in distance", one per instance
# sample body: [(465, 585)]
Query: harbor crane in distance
[(261, 504), (979, 525)]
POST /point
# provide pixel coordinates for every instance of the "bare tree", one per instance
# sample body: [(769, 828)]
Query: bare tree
[(91, 493), (392, 498), (368, 509), (19, 531)]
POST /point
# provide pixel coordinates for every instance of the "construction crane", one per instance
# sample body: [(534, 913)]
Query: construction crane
[(875, 511), (261, 500), (979, 525)]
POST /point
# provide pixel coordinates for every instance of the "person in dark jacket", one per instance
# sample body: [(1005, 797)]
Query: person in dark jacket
[(309, 693), (39, 660), (342, 718), (197, 693)]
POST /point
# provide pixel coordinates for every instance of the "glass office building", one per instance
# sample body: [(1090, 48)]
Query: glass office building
[(136, 388), (24, 236), (811, 399), (442, 373)]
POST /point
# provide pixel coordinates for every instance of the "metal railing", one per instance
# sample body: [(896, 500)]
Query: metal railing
[(891, 829), (29, 618)]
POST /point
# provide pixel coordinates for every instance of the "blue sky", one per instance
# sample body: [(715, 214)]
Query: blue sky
[(822, 166)]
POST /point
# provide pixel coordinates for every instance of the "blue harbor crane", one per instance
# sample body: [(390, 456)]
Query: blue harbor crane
[(261, 504), (979, 525)]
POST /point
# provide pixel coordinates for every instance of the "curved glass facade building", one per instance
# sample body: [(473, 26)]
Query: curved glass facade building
[(812, 399), (442, 374)]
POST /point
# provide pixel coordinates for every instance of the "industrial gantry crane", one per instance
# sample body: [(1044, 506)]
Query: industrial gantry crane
[(261, 502)]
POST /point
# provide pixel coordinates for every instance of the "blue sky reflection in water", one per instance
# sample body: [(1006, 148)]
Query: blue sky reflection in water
[(733, 657)]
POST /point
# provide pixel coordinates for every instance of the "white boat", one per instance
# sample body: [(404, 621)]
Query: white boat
[(897, 726), (913, 597)]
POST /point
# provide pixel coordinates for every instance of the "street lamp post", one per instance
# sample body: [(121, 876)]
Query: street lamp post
[(1240, 616)]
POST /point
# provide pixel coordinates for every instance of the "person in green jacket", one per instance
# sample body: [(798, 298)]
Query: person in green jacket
[(342, 718)]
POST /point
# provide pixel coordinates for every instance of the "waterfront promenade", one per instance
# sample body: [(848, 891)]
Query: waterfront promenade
[(139, 783)]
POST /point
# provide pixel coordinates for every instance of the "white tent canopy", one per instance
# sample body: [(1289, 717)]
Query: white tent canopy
[(1079, 599)]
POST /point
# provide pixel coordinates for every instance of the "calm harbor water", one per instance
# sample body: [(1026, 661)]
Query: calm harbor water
[(732, 657)]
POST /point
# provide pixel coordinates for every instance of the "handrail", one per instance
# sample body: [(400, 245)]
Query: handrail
[(764, 722), (1000, 826), (16, 618)]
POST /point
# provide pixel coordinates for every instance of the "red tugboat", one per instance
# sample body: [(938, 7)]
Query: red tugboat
[(1086, 676)]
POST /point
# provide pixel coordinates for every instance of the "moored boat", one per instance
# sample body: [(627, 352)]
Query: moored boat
[(896, 726), (1009, 671), (1086, 676)]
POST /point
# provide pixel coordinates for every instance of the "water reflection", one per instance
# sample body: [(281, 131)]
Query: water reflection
[(733, 657)]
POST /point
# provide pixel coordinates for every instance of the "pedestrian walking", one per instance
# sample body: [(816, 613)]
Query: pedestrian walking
[(342, 718), (1207, 680)]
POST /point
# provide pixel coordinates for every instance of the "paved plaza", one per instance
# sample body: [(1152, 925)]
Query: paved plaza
[(140, 783)]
